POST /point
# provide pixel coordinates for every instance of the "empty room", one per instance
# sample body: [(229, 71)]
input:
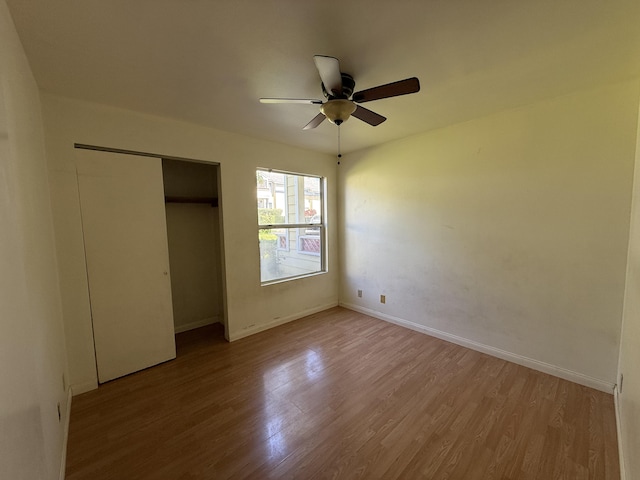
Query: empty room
[(279, 239)]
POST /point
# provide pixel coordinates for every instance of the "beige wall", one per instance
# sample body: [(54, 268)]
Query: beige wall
[(250, 307), (507, 233), (629, 366), (194, 257), (32, 358)]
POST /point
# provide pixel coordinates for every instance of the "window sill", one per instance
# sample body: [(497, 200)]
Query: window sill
[(289, 279)]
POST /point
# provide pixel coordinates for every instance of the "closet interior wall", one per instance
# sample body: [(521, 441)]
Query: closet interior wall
[(193, 232)]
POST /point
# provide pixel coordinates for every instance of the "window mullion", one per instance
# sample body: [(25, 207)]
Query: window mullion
[(290, 225)]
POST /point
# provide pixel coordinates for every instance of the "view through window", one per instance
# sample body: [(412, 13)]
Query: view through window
[(290, 225)]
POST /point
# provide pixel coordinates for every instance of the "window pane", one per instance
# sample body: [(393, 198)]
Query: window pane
[(271, 197), (312, 210), (285, 198), (290, 252)]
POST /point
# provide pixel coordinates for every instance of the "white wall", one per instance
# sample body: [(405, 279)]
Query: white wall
[(629, 366), (507, 233), (32, 359), (250, 307)]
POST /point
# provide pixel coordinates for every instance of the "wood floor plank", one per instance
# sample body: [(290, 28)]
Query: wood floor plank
[(339, 395)]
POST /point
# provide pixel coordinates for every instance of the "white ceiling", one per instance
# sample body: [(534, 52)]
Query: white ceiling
[(208, 61)]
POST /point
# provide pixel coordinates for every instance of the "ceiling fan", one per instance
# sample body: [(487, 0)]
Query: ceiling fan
[(337, 88)]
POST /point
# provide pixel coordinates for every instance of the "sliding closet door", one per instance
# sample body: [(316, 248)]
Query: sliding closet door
[(125, 235)]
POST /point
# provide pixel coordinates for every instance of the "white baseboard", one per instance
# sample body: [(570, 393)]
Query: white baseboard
[(197, 324), (554, 370), (616, 404), (280, 321), (65, 435)]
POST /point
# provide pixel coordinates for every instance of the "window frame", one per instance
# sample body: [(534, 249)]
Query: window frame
[(321, 226)]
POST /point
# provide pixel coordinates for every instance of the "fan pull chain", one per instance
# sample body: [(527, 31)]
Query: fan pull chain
[(339, 153)]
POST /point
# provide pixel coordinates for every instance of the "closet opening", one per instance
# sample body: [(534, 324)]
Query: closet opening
[(194, 236)]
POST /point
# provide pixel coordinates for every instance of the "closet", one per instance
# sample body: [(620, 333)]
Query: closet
[(194, 240), (153, 254)]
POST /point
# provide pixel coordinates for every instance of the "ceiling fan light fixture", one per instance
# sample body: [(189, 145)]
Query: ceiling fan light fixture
[(338, 110)]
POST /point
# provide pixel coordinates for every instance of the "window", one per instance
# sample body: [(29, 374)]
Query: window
[(291, 229)]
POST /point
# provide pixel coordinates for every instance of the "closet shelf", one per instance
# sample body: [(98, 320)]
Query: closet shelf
[(213, 201)]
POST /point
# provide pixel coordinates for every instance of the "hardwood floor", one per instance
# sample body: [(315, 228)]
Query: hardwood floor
[(339, 395)]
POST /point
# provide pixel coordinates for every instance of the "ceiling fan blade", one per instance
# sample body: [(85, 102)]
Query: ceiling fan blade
[(291, 100), (317, 120), (402, 87), (329, 70), (367, 116)]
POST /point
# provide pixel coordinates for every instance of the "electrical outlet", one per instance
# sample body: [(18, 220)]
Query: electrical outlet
[(360, 293), (383, 299)]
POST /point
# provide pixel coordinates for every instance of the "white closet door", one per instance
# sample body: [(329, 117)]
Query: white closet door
[(125, 236)]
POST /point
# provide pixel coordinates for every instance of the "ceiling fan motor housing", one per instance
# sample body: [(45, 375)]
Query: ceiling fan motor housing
[(348, 84)]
